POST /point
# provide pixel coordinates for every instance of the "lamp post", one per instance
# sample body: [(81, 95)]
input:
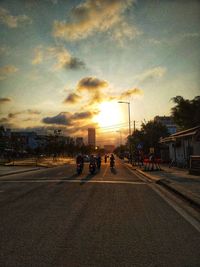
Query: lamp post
[(129, 122)]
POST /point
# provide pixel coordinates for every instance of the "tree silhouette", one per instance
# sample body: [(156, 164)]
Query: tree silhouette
[(186, 113)]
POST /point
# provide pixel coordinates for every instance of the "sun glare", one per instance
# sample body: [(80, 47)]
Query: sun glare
[(109, 114)]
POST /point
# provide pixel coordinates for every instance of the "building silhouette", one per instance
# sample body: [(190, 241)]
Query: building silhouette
[(92, 137), (79, 141)]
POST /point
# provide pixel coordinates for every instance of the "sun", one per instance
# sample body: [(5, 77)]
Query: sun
[(110, 114)]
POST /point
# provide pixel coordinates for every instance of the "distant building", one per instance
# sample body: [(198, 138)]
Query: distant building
[(109, 148), (91, 137), (79, 141), (168, 122), (25, 139)]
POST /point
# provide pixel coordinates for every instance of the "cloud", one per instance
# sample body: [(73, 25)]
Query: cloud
[(94, 87), (82, 115), (33, 112), (68, 119), (94, 15), (91, 83), (16, 117), (154, 73), (4, 120), (64, 59), (59, 54), (6, 70), (4, 100), (131, 92), (72, 98), (13, 21), (38, 57), (62, 118)]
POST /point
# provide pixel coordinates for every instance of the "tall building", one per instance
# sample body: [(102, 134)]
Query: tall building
[(91, 137), (168, 122)]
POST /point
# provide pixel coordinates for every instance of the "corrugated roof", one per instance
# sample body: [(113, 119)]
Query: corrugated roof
[(185, 133)]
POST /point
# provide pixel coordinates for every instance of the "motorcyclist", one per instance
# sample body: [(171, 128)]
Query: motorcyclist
[(112, 160), (98, 159), (80, 159), (92, 165)]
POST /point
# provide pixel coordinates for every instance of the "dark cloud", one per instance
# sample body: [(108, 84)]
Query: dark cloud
[(72, 98), (13, 115), (5, 100), (91, 83), (68, 119), (62, 118), (63, 58), (74, 64), (82, 115)]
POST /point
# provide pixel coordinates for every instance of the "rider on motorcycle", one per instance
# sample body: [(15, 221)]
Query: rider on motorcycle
[(80, 160), (98, 159), (112, 161), (92, 165)]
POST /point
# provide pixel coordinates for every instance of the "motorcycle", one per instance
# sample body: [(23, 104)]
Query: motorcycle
[(79, 168), (92, 168), (98, 163), (112, 164)]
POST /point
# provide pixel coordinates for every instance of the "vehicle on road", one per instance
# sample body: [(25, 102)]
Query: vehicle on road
[(79, 168), (112, 161), (92, 168)]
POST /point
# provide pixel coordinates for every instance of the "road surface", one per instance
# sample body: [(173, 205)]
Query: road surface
[(53, 217)]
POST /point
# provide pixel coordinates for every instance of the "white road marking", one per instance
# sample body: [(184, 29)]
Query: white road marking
[(73, 181), (138, 175), (105, 170), (178, 209), (195, 223)]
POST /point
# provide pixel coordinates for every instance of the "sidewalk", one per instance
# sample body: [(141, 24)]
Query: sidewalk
[(177, 180), (27, 165), (40, 162), (8, 170)]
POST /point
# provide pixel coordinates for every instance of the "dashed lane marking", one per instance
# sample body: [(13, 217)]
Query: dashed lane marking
[(105, 170)]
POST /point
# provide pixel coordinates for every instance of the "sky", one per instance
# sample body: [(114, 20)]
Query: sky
[(66, 64)]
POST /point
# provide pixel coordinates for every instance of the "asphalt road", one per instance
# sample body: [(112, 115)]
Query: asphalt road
[(53, 217)]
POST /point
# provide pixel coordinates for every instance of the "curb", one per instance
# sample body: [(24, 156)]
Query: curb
[(184, 196), (167, 185)]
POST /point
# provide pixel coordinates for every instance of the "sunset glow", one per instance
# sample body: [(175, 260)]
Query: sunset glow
[(79, 58), (110, 114)]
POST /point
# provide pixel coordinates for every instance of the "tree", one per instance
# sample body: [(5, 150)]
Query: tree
[(148, 136), (186, 113)]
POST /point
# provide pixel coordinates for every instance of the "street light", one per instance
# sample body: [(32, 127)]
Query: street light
[(129, 122)]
